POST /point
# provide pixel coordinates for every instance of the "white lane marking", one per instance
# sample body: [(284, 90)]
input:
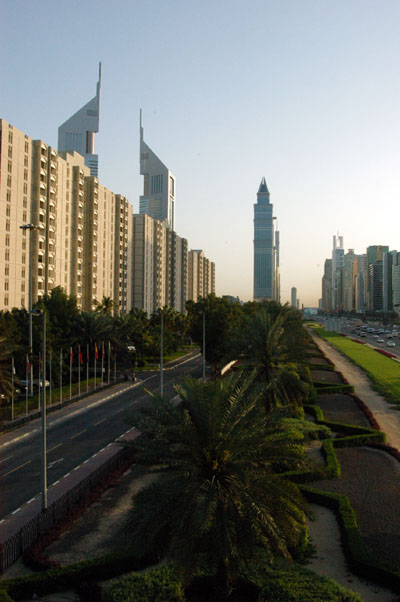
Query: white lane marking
[(96, 403), (55, 462), (17, 468), (31, 500), (86, 461), (5, 459), (15, 511), (77, 434), (55, 447), (66, 475)]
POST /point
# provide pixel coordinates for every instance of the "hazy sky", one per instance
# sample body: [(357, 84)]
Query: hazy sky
[(303, 92)]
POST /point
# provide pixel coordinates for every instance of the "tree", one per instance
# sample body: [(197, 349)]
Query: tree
[(221, 318), (5, 368), (271, 340), (216, 497), (105, 306)]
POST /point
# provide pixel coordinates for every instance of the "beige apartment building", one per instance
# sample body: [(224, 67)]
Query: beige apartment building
[(201, 275), (82, 230)]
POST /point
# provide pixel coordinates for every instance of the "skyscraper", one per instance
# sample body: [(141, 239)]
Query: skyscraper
[(337, 273), (158, 198), (77, 133), (265, 247)]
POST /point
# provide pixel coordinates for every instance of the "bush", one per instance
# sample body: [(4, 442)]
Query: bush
[(59, 579), (4, 597), (161, 584), (289, 582)]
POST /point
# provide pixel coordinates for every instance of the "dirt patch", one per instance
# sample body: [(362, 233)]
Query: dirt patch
[(342, 408), (327, 377), (103, 528)]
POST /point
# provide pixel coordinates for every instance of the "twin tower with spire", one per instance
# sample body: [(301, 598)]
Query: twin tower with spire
[(266, 248)]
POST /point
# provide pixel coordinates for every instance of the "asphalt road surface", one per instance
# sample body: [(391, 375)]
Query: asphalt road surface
[(75, 433)]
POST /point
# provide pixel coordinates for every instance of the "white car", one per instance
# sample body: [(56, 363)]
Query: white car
[(380, 340), (391, 344)]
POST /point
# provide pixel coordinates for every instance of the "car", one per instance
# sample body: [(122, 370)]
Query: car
[(375, 336), (391, 344), (363, 335), (380, 340)]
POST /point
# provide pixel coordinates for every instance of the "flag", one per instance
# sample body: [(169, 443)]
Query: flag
[(72, 355), (40, 360), (61, 358), (80, 357), (96, 351), (28, 365), (104, 353), (12, 365)]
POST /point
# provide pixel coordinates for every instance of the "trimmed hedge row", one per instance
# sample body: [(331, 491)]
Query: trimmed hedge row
[(360, 562), (324, 388), (59, 579), (160, 584)]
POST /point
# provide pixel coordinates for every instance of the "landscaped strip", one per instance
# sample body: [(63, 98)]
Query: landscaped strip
[(384, 371)]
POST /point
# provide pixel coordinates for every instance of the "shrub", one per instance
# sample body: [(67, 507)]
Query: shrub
[(4, 597), (160, 584)]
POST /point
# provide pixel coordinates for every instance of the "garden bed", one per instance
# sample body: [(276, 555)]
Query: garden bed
[(342, 408)]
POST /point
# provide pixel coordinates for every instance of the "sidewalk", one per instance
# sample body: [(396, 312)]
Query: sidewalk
[(387, 418)]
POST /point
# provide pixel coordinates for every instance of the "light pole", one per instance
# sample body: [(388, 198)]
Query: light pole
[(30, 227), (42, 313), (204, 346), (162, 354)]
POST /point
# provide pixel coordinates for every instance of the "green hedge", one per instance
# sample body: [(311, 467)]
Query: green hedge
[(4, 597), (160, 584), (360, 562), (59, 579)]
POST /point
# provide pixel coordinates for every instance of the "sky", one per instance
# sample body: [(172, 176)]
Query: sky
[(303, 92)]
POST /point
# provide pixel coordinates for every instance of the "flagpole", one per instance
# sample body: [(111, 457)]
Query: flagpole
[(102, 363), (115, 364), (50, 362), (27, 386), (61, 375), (70, 372), (40, 390), (87, 368), (12, 388), (108, 361), (95, 364), (79, 370)]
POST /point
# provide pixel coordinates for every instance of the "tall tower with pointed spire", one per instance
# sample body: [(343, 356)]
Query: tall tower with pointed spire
[(158, 198), (266, 245), (77, 133)]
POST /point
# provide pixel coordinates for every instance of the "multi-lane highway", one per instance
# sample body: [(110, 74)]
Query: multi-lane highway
[(75, 433)]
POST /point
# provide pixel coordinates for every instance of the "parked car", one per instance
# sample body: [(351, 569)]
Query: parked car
[(391, 344), (380, 340)]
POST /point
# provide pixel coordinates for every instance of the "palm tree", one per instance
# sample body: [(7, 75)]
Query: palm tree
[(272, 345), (5, 368), (105, 306), (216, 497)]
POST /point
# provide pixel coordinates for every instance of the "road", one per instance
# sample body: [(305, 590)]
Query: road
[(75, 433)]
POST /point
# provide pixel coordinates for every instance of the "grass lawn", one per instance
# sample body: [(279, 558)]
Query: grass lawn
[(384, 371)]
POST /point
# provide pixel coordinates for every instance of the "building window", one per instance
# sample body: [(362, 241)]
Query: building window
[(23, 273), (26, 147), (8, 196), (8, 211), (9, 181), (6, 300), (25, 202), (9, 167), (10, 137), (7, 225), (7, 240), (24, 216), (6, 270), (22, 287)]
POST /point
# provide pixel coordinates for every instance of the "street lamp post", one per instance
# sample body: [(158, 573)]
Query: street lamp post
[(42, 313), (162, 354), (30, 227), (204, 346)]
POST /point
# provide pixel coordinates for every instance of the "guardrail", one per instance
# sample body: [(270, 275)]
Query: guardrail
[(12, 548)]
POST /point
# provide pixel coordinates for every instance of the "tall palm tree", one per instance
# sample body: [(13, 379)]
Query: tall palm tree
[(272, 345), (216, 497), (105, 306)]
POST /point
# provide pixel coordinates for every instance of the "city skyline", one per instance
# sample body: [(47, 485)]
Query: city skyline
[(323, 93)]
